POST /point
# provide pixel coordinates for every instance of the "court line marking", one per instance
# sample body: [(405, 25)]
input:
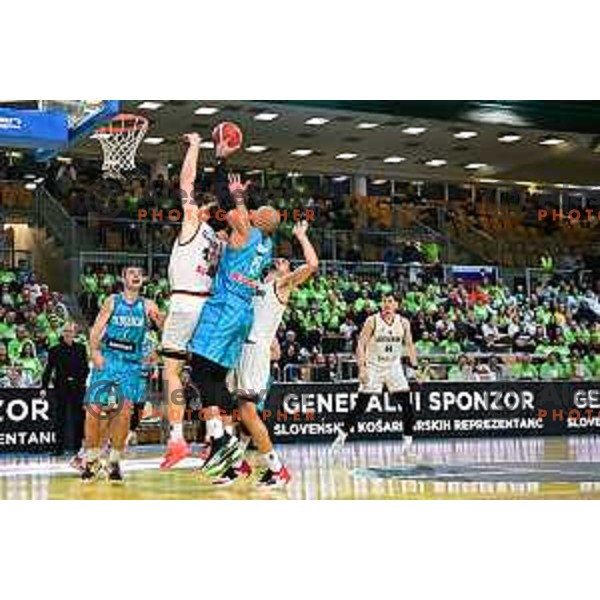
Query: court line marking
[(64, 468)]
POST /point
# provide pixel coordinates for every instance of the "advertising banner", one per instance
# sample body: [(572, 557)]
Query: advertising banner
[(301, 412)]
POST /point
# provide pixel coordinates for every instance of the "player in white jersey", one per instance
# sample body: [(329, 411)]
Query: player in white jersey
[(249, 381), (193, 261), (383, 341)]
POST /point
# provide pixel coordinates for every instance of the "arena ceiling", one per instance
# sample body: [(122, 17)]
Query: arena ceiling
[(552, 142)]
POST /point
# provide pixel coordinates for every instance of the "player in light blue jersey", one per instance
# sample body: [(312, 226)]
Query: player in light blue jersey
[(116, 383), (227, 317)]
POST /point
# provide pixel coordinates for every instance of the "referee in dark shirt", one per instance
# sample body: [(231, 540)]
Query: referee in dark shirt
[(68, 368)]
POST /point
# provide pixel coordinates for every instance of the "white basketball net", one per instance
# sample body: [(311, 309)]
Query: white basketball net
[(120, 140)]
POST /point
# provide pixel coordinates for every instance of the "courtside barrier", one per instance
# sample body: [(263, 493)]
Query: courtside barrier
[(312, 412)]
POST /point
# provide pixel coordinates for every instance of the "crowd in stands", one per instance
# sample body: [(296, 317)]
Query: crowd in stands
[(463, 331), (31, 320), (108, 211)]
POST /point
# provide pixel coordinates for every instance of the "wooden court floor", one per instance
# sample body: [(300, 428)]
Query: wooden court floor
[(511, 468)]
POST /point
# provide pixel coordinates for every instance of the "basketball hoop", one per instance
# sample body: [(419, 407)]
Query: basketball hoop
[(120, 140)]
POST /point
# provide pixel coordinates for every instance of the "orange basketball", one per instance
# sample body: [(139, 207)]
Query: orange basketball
[(228, 132), (266, 218)]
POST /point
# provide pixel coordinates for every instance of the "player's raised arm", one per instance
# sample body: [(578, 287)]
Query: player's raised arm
[(97, 331), (238, 218), (187, 177), (409, 345), (311, 261), (361, 348)]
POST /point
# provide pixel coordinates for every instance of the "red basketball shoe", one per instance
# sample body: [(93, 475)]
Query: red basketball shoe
[(177, 450)]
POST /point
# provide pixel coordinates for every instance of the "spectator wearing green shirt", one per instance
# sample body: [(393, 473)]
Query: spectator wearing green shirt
[(431, 252), (425, 345), (383, 287), (461, 371), (561, 347), (523, 368), (15, 346), (580, 369), (543, 347), (450, 345), (551, 369)]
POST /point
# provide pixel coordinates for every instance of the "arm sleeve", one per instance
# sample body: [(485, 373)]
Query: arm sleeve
[(222, 187)]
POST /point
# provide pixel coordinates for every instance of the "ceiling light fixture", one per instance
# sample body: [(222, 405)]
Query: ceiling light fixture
[(509, 138), (476, 166), (150, 105), (256, 149), (302, 152), (206, 110), (465, 135), (367, 125), (394, 159), (552, 142), (436, 162), (316, 121), (346, 155), (266, 116), (414, 130), (153, 141)]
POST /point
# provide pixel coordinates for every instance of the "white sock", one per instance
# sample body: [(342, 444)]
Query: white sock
[(176, 432), (271, 460), (92, 454), (114, 456), (214, 428), (244, 441)]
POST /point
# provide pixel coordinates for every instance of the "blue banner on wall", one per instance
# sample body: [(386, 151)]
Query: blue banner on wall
[(33, 129)]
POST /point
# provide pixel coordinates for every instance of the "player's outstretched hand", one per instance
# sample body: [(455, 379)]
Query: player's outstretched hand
[(193, 139), (224, 150), (300, 229), (236, 185)]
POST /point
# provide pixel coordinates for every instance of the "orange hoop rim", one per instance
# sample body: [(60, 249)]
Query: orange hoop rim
[(137, 122)]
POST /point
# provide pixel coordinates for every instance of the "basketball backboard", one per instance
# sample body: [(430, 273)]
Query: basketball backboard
[(48, 126)]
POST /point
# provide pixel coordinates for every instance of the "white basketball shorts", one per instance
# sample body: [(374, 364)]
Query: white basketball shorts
[(379, 374), (184, 314), (253, 371)]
